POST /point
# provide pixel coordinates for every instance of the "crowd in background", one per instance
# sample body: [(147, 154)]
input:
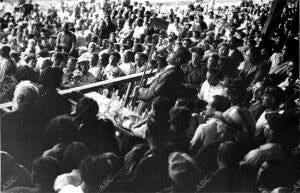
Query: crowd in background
[(223, 104)]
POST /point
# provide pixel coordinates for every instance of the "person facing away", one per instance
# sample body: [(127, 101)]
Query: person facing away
[(22, 129), (44, 172)]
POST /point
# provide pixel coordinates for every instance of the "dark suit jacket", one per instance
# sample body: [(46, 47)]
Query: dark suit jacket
[(22, 134), (52, 102), (166, 84)]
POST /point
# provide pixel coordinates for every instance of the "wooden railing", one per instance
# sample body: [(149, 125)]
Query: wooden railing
[(6, 107)]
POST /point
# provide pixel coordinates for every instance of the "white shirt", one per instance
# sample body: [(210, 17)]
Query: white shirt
[(139, 31), (207, 91), (128, 68), (67, 179)]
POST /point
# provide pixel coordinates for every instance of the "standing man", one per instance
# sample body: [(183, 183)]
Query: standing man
[(167, 83), (66, 39)]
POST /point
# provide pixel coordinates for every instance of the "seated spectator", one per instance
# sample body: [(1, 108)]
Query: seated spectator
[(73, 155), (177, 139), (195, 71), (207, 131), (127, 66), (227, 178), (49, 99), (59, 133), (81, 75), (95, 69), (183, 172), (89, 53), (255, 68), (22, 129), (13, 174), (97, 173), (57, 59), (235, 124), (140, 61), (212, 86), (97, 135), (44, 172), (151, 173), (272, 99), (112, 70)]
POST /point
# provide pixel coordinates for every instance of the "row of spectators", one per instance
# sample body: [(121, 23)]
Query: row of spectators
[(224, 103)]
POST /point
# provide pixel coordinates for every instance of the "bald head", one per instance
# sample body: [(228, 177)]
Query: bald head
[(25, 94)]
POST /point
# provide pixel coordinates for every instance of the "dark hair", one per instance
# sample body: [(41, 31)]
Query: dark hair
[(275, 92), (94, 170), (161, 106), (105, 58), (51, 77), (45, 170), (156, 129), (86, 108), (236, 91), (198, 51), (228, 153), (95, 57), (220, 103), (116, 55), (24, 72), (74, 154), (182, 56), (61, 129)]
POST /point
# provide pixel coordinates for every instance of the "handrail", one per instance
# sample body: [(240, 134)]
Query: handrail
[(128, 78)]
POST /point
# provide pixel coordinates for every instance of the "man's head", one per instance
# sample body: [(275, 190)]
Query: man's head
[(57, 59), (4, 51), (272, 98), (197, 54), (179, 57), (140, 59), (114, 58), (91, 47), (52, 77), (218, 103), (25, 94), (65, 27), (212, 61), (179, 118), (44, 171), (223, 49), (96, 170)]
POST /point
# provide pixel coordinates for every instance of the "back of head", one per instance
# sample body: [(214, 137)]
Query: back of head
[(228, 154), (220, 103), (182, 56), (52, 77), (86, 109), (25, 94), (61, 129), (156, 130), (74, 154), (24, 72), (44, 171), (94, 170), (161, 107), (180, 118)]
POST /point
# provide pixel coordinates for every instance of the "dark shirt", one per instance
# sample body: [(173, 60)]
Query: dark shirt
[(151, 174), (22, 134), (98, 136), (52, 102), (195, 75)]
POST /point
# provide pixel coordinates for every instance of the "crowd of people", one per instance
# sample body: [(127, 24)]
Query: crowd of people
[(223, 103)]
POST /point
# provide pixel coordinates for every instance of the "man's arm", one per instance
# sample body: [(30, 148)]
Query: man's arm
[(73, 44)]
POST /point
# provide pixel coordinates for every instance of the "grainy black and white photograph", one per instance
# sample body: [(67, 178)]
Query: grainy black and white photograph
[(157, 96)]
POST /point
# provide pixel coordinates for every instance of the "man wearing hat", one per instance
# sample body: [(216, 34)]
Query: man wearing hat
[(235, 124)]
